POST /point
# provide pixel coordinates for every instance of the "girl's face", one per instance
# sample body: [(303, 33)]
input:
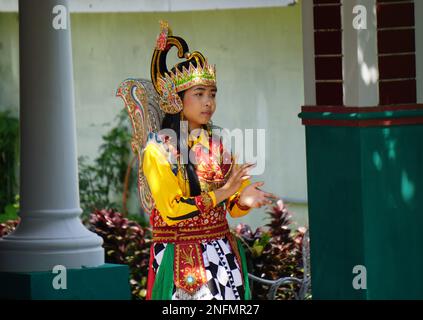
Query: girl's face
[(199, 105)]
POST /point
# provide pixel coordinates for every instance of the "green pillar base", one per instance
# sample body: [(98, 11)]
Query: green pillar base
[(365, 192), (106, 282)]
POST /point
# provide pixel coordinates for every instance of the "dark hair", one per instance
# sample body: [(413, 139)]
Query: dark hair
[(172, 121)]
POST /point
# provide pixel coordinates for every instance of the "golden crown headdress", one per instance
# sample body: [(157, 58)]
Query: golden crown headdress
[(194, 71)]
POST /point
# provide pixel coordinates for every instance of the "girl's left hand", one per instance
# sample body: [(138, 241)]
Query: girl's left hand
[(253, 197)]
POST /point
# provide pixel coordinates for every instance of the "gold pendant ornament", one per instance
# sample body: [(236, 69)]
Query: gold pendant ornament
[(190, 272)]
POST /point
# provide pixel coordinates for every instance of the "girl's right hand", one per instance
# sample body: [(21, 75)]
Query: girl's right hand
[(238, 175)]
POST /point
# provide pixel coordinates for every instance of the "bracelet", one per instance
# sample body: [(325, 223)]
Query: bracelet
[(241, 207)]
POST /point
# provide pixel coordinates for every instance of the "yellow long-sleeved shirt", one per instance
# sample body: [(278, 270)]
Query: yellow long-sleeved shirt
[(171, 192)]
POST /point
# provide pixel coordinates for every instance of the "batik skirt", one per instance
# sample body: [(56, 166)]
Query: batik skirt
[(224, 274)]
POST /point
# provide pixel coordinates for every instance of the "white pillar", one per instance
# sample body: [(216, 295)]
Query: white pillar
[(308, 53), (360, 62), (50, 232), (418, 11)]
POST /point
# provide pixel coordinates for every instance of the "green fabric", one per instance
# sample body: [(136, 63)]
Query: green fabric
[(247, 295), (163, 283)]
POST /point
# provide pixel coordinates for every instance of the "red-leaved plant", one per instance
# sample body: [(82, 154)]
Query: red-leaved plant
[(8, 227), (274, 252), (125, 242)]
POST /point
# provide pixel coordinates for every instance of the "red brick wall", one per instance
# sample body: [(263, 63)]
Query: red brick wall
[(328, 52), (396, 47)]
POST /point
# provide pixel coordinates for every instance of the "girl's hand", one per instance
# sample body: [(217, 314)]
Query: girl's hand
[(238, 175), (253, 197)]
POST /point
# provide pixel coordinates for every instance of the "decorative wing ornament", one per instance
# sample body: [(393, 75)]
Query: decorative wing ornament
[(142, 104)]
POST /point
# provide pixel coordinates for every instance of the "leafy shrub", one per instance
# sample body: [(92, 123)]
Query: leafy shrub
[(9, 159), (105, 177), (274, 252), (10, 211), (125, 242)]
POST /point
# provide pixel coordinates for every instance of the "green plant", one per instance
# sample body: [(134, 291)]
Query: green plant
[(98, 181), (9, 157), (274, 252), (125, 242), (10, 211)]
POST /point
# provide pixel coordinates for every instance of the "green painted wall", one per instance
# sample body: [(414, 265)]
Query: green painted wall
[(106, 282), (365, 206), (392, 197), (335, 213)]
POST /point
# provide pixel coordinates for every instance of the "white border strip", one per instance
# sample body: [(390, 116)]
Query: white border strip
[(98, 6), (308, 53)]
